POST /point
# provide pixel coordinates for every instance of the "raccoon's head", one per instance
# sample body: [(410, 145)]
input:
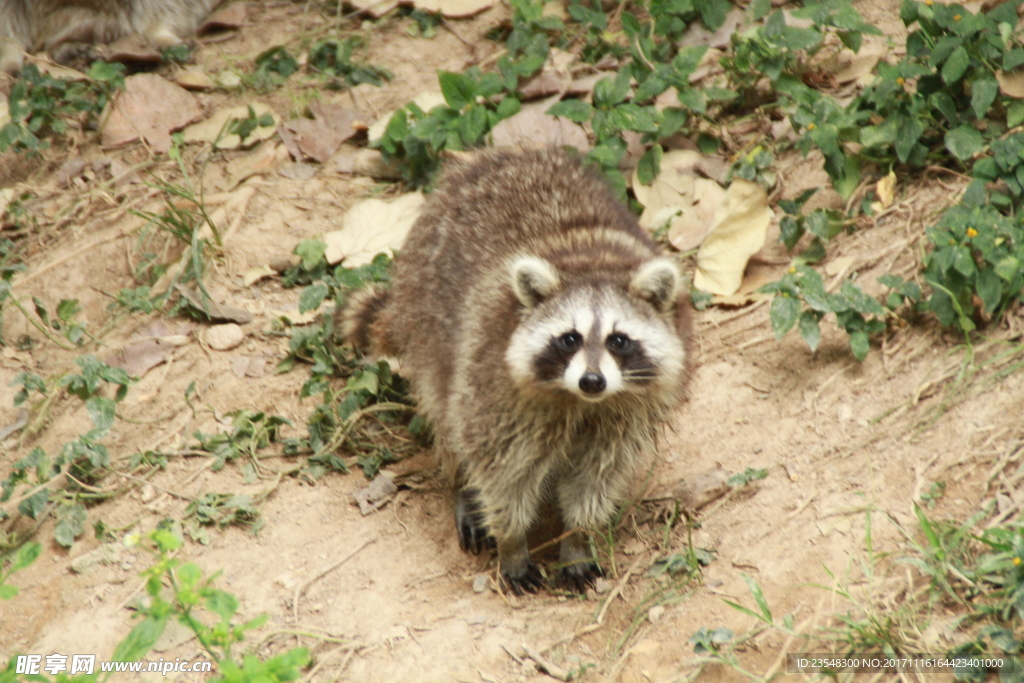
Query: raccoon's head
[(596, 340)]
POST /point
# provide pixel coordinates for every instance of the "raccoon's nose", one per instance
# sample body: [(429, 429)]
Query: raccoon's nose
[(592, 383)]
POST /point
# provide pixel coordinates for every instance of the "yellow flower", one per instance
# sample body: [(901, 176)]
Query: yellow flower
[(952, 241), (901, 80), (957, 17), (811, 126), (1016, 562), (792, 269), (928, 2), (971, 232)]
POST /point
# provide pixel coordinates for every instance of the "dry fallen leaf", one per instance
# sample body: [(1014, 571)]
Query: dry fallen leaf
[(260, 160), (681, 198), (374, 8), (254, 275), (194, 78), (155, 346), (1011, 84), (216, 311), (737, 233), (859, 66), (453, 9), (370, 227), (377, 493), (212, 128), (320, 137), (533, 126), (365, 161), (886, 191), (228, 17), (149, 107)]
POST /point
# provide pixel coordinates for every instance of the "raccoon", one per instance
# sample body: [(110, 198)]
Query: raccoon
[(30, 25), (546, 339)]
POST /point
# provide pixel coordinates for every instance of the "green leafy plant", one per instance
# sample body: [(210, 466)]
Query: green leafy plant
[(40, 105), (333, 58), (20, 559)]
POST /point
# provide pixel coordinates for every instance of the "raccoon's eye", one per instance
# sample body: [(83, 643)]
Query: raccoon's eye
[(619, 343), (570, 341)]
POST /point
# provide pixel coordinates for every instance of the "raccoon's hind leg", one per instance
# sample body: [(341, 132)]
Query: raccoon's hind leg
[(469, 522)]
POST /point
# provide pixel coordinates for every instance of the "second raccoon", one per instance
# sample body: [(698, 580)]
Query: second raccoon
[(30, 25), (545, 338)]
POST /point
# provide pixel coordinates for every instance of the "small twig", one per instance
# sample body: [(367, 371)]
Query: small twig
[(551, 669), (614, 592), (302, 589)]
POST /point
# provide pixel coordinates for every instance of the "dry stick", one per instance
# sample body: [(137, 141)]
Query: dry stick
[(614, 592), (157, 487), (552, 670), (323, 660), (302, 589)]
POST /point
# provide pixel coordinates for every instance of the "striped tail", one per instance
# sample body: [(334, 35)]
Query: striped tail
[(357, 320)]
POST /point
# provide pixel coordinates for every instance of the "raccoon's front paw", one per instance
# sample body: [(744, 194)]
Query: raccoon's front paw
[(578, 577), (474, 536), (529, 580)]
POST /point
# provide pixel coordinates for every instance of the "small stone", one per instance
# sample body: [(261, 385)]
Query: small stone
[(224, 337), (655, 613), (480, 583), (601, 585)]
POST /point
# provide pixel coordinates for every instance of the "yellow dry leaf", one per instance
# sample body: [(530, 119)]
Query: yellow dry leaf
[(254, 275), (681, 198), (370, 227), (736, 234), (886, 190)]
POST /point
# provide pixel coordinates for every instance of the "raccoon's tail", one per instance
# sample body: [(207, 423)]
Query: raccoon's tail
[(360, 323)]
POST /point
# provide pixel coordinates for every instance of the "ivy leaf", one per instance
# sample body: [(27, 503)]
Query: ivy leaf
[(983, 94), (71, 524), (955, 67), (809, 329), (649, 166), (784, 312), (860, 345), (964, 142), (574, 110), (458, 89)]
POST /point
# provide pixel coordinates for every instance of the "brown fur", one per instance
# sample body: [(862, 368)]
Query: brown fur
[(30, 25), (449, 318)]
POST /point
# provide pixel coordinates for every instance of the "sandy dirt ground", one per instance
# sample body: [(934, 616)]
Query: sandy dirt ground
[(843, 442)]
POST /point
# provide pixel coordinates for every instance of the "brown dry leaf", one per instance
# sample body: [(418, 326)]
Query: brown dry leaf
[(374, 8), (453, 9), (425, 101), (377, 493), (1011, 84), (212, 128), (132, 49), (681, 198), (229, 17), (320, 137), (194, 78), (254, 275), (217, 312), (260, 160), (886, 191), (738, 232), (534, 126), (554, 78), (365, 161), (696, 34), (859, 66), (156, 345), (149, 107), (370, 227), (248, 366)]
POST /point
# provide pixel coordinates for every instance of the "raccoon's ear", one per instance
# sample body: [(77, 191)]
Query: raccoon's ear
[(533, 280), (658, 281)]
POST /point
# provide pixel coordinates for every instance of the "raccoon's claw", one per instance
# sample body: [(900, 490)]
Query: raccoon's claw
[(474, 538), (577, 578), (530, 580)]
